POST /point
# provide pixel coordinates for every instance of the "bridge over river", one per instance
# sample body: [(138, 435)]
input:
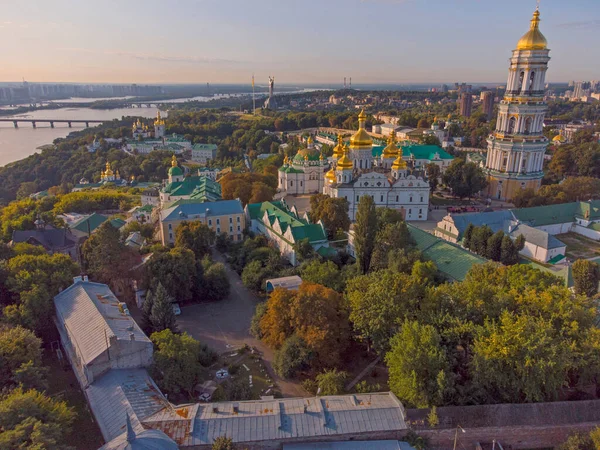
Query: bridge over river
[(70, 122)]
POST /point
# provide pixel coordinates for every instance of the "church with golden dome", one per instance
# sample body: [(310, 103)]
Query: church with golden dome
[(357, 171), (304, 173), (516, 150)]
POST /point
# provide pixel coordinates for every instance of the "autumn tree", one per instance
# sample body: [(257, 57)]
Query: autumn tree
[(261, 192), (365, 229)]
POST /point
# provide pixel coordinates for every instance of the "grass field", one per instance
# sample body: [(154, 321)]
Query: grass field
[(252, 365), (579, 247)]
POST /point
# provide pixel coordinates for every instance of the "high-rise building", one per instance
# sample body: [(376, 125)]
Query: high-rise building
[(465, 103), (487, 99), (516, 150), (578, 91)]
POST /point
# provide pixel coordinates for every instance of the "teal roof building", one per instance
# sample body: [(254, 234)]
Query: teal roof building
[(284, 227)]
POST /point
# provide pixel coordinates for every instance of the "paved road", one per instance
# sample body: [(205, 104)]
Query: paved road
[(225, 325)]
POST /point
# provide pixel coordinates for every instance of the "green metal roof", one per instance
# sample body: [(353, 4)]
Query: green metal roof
[(327, 252), (210, 147), (279, 212), (554, 214), (90, 223), (451, 260), (425, 152), (190, 184), (289, 169)]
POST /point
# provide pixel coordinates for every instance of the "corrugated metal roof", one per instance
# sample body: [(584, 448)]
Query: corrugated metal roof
[(122, 392), (219, 208), (281, 419), (351, 445), (92, 314)]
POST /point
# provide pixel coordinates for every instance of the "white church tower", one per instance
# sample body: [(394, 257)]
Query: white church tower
[(516, 150), (159, 127)]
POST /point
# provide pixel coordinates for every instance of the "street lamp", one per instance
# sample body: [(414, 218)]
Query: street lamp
[(458, 427)]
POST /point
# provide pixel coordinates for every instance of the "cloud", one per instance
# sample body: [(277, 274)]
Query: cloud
[(585, 25), (155, 57)]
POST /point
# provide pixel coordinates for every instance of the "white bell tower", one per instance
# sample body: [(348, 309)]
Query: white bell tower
[(516, 150)]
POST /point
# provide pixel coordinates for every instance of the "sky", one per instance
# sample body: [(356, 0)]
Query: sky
[(297, 41)]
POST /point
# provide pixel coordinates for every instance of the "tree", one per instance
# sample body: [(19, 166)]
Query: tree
[(364, 232), (390, 237), (195, 236), (378, 303), (331, 382), (177, 270), (176, 367), (106, 257), (509, 253), (521, 358), (578, 441), (494, 246), (30, 419), (418, 365), (316, 314), (479, 240), (223, 443), (162, 316), (586, 276), (325, 273), (20, 351), (464, 178), (423, 123), (434, 173), (261, 192), (468, 236), (216, 282), (332, 211), (304, 250), (291, 357)]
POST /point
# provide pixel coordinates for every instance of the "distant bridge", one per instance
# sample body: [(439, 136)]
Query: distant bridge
[(70, 122)]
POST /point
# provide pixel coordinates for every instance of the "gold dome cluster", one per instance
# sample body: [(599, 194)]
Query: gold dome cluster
[(533, 39), (159, 120), (399, 163)]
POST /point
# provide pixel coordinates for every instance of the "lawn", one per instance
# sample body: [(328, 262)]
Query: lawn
[(84, 434), (251, 365), (579, 247)]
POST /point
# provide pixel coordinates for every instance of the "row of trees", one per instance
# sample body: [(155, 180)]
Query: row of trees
[(571, 189), (495, 246), (29, 279)]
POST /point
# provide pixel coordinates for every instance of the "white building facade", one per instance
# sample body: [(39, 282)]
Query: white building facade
[(304, 173), (386, 179)]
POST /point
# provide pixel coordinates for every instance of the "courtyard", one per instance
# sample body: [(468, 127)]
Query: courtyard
[(580, 247)]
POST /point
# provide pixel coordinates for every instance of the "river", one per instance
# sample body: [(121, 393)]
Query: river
[(18, 143)]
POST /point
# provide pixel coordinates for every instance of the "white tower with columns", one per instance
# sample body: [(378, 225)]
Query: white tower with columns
[(516, 150)]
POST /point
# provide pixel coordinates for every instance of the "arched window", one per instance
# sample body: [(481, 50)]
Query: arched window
[(521, 78), (512, 125), (528, 122), (531, 80)]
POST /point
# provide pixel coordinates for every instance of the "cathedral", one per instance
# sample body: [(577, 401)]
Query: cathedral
[(358, 170), (516, 150)]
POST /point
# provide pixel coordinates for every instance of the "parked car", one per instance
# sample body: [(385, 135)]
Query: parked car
[(176, 309)]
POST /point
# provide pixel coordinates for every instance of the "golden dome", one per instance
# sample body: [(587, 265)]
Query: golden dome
[(361, 138), (173, 161), (399, 163), (330, 176), (321, 157), (391, 151), (345, 163), (338, 150), (310, 140), (559, 138), (533, 39)]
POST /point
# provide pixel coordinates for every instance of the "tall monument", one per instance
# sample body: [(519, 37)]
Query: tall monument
[(516, 149), (270, 102)]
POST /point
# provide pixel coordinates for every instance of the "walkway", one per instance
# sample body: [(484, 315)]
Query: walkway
[(225, 325)]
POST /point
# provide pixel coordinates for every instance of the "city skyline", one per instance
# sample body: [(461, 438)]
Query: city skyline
[(373, 41)]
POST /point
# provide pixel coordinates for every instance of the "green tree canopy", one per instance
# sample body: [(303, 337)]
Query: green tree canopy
[(365, 230), (195, 236)]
